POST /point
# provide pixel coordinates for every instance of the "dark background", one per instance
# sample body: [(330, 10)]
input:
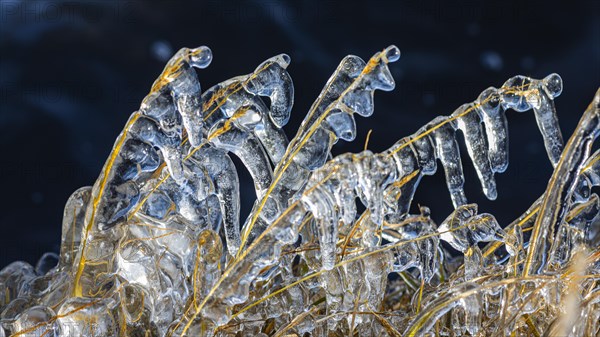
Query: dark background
[(71, 72)]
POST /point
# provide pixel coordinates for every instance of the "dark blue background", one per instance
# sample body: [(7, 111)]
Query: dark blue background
[(71, 72)]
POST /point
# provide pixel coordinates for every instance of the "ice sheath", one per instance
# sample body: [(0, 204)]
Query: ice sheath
[(156, 246)]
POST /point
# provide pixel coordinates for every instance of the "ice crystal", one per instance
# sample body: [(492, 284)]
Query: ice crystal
[(155, 247)]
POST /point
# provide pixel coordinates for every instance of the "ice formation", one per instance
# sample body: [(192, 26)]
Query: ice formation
[(156, 248)]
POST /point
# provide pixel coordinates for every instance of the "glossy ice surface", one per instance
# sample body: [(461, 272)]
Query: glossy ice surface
[(156, 247)]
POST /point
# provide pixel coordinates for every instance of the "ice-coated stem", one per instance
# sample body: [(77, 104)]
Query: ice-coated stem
[(561, 186)]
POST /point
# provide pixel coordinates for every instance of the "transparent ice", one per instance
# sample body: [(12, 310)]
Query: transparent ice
[(156, 246)]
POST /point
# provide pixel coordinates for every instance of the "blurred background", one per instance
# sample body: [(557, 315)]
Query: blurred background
[(71, 73)]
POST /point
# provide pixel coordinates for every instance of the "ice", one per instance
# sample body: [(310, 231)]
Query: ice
[(583, 219), (449, 155), (72, 226), (349, 90), (210, 250), (185, 90), (407, 160), (171, 109), (222, 172), (425, 320), (315, 152), (496, 128), (246, 147), (523, 93), (545, 113), (425, 148), (273, 139), (487, 149), (472, 309), (86, 317), (423, 254), (464, 228), (273, 81), (405, 257), (35, 321), (454, 230), (321, 203), (473, 263), (243, 93), (470, 125), (343, 125), (46, 263), (156, 246), (12, 279), (182, 81), (576, 154)]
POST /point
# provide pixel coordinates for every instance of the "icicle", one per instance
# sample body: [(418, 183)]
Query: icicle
[(469, 123)]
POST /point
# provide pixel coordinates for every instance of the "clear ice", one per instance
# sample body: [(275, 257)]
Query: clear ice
[(156, 246)]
